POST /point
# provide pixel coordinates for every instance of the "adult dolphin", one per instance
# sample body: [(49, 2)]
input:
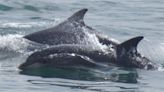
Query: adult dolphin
[(71, 31), (66, 56)]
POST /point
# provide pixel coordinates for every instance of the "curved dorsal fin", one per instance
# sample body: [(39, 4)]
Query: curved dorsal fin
[(78, 16), (129, 45), (133, 42)]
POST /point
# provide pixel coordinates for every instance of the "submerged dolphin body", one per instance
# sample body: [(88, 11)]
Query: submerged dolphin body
[(71, 31), (67, 55)]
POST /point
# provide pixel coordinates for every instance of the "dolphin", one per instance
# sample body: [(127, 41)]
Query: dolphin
[(71, 31), (74, 55)]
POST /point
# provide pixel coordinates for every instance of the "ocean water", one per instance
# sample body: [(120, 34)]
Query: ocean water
[(119, 19)]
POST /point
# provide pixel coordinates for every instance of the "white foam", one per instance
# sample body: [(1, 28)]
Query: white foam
[(20, 24), (10, 24), (93, 40), (160, 69), (14, 42)]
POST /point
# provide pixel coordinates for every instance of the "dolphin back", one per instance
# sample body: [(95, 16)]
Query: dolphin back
[(128, 55), (60, 33)]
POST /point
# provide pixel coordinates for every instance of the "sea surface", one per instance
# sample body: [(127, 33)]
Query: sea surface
[(119, 19)]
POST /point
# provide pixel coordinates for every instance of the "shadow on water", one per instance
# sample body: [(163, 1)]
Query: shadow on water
[(115, 75)]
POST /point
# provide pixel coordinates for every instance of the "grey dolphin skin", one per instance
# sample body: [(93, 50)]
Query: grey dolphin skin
[(72, 28), (67, 55), (70, 47)]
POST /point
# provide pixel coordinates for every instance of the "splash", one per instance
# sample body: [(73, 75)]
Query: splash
[(16, 43), (161, 68), (91, 39), (12, 42)]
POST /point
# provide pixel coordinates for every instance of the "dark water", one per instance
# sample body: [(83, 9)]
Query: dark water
[(120, 19)]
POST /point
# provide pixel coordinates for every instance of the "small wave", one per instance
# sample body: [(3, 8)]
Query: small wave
[(151, 50), (15, 25), (160, 69), (11, 45), (5, 7), (5, 24), (31, 8), (16, 43), (12, 41)]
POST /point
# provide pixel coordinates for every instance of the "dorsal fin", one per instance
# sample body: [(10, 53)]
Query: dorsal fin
[(133, 42), (129, 45), (78, 16)]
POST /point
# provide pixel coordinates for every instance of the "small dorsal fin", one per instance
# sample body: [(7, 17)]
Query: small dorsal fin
[(129, 45), (133, 42), (78, 16)]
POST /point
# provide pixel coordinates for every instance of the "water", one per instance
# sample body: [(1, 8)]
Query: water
[(120, 19)]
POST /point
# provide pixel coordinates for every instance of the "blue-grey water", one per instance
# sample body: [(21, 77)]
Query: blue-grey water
[(120, 19)]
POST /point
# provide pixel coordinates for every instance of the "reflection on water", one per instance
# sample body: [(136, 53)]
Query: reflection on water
[(93, 86), (124, 76)]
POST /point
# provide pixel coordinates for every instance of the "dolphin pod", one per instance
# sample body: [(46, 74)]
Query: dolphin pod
[(71, 31), (70, 46)]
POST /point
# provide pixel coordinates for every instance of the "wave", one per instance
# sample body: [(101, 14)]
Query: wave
[(5, 7), (6, 24), (31, 8), (15, 44)]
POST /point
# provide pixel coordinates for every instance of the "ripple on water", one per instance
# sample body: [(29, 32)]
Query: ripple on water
[(84, 85), (5, 7), (31, 8)]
